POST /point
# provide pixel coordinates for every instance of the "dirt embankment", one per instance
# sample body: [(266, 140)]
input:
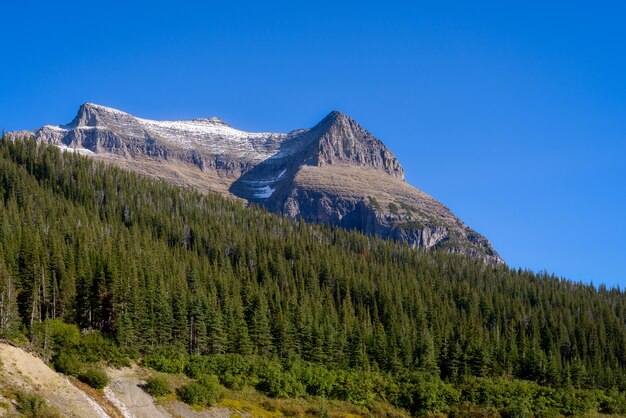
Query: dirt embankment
[(123, 397), (126, 392), (23, 370)]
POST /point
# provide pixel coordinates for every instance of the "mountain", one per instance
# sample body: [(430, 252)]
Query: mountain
[(102, 266), (334, 173)]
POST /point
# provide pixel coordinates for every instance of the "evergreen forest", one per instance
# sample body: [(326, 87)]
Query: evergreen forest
[(101, 265)]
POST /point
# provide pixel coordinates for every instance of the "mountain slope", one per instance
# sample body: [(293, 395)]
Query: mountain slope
[(191, 279), (335, 173)]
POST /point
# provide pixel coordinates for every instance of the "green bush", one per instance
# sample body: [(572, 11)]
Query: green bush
[(416, 391), (422, 393), (53, 335), (68, 363), (158, 386), (517, 409), (276, 382), (167, 361), (194, 393), (95, 347), (613, 402), (212, 384), (30, 405), (238, 364), (318, 380), (94, 377), (232, 381), (63, 343), (198, 366), (576, 402), (374, 202), (204, 392), (354, 387), (408, 208)]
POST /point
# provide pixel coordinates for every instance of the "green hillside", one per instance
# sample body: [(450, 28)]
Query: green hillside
[(202, 285)]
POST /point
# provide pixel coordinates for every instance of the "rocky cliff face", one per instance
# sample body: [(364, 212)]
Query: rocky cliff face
[(340, 140), (334, 173)]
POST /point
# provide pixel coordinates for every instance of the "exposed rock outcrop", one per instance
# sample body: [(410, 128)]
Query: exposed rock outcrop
[(334, 173)]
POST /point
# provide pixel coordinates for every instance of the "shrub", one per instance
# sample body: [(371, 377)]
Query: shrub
[(613, 402), (204, 392), (158, 386), (167, 361), (52, 335), (354, 387), (278, 383), (374, 202), (95, 347), (194, 393), (422, 393), (408, 208), (212, 384), (318, 380), (237, 364), (29, 405), (232, 381), (198, 366), (290, 410), (68, 363), (96, 378), (576, 401)]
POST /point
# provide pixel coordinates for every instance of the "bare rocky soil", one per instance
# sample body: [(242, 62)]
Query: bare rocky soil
[(123, 397), (28, 372), (126, 392)]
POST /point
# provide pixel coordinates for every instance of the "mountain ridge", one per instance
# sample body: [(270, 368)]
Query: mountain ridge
[(335, 172)]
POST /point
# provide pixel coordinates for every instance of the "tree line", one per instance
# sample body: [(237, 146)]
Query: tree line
[(152, 265)]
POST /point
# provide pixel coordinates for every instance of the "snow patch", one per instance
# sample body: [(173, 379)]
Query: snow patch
[(215, 136), (81, 151), (91, 127), (54, 128), (263, 192), (105, 109), (205, 135)]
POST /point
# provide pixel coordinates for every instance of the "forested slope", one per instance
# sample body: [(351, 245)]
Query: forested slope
[(155, 266)]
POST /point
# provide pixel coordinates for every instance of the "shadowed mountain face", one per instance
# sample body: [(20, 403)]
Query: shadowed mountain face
[(335, 173)]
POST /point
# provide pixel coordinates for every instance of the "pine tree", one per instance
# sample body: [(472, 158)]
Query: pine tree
[(9, 315), (260, 334), (216, 335), (154, 265)]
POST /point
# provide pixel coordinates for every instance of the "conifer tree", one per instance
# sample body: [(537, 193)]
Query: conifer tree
[(9, 315)]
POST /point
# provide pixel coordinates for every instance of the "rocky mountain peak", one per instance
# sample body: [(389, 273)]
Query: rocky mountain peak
[(335, 173), (341, 140), (335, 116), (337, 121), (91, 114), (212, 121)]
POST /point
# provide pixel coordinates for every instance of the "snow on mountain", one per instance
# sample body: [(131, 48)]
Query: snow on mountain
[(335, 172), (215, 136)]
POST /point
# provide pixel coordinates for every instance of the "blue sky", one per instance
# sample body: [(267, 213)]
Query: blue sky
[(511, 113)]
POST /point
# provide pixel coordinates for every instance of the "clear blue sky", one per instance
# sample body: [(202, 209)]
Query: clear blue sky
[(511, 113)]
